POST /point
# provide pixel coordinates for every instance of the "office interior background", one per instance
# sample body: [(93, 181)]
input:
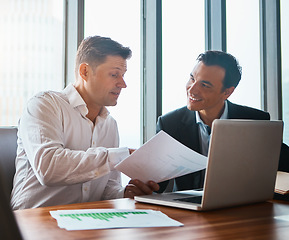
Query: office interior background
[(39, 39)]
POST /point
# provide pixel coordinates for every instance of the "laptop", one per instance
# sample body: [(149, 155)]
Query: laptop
[(241, 169)]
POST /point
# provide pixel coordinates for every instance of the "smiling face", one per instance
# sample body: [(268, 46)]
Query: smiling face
[(205, 91)]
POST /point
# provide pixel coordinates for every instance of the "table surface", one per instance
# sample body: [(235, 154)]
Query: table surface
[(255, 221)]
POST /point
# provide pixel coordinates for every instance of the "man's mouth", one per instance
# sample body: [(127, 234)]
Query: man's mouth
[(194, 99), (116, 93)]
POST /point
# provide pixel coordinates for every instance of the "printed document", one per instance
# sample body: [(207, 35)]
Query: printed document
[(160, 159), (282, 183), (84, 219)]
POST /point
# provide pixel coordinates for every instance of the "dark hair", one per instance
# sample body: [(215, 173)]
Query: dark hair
[(233, 70), (94, 50)]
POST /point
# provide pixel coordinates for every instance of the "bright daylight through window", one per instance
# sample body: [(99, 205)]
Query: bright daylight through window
[(243, 42), (183, 39), (285, 66), (31, 53)]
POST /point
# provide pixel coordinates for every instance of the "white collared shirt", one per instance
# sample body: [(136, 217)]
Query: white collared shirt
[(62, 157), (205, 131)]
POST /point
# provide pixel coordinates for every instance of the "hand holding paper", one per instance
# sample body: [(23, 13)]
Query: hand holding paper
[(160, 159)]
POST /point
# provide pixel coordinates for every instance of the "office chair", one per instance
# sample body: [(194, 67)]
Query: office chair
[(9, 229), (8, 149)]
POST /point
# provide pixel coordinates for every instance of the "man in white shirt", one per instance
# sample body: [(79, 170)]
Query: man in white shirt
[(67, 141)]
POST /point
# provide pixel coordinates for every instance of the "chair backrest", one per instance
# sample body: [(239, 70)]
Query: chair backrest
[(8, 149), (9, 229)]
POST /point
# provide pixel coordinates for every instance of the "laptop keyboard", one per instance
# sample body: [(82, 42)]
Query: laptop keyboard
[(195, 199)]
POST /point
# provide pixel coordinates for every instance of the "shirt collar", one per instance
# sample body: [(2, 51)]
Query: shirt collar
[(76, 101), (225, 113), (223, 116), (73, 96)]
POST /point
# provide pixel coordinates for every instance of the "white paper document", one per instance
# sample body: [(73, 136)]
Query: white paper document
[(84, 219), (160, 159)]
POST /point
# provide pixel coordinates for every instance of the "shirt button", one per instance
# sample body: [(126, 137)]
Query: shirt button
[(85, 189)]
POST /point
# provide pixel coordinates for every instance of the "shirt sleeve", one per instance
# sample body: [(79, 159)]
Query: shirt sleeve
[(112, 189), (54, 165)]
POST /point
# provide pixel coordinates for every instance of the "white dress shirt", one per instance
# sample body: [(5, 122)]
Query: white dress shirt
[(205, 130), (62, 157)]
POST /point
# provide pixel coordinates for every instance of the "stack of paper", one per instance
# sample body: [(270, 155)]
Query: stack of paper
[(282, 183), (161, 158), (83, 219)]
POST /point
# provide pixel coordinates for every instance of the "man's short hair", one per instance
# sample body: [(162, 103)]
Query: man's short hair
[(94, 50), (233, 70)]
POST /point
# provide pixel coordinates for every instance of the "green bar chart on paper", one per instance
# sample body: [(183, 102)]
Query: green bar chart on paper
[(106, 216), (82, 219)]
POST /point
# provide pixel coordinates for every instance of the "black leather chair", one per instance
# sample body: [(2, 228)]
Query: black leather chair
[(8, 149), (9, 229)]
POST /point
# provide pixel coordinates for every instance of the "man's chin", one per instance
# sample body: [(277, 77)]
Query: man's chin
[(192, 108), (111, 104), (114, 103)]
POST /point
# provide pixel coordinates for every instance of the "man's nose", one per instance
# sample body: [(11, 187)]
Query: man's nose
[(193, 88), (121, 83)]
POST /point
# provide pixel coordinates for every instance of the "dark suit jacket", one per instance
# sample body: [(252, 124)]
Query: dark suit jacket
[(181, 125)]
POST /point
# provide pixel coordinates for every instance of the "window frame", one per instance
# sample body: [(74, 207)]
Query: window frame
[(215, 22)]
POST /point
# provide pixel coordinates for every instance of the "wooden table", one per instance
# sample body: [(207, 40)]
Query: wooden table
[(256, 221)]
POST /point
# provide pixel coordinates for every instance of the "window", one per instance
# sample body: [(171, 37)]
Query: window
[(183, 39), (120, 20), (285, 67), (31, 47), (243, 42)]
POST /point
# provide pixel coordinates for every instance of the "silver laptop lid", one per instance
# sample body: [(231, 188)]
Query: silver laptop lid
[(242, 162)]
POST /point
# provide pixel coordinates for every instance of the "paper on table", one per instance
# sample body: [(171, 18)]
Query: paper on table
[(83, 219), (160, 159), (282, 183)]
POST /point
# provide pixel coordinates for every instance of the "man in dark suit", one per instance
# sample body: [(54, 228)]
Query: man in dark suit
[(212, 81)]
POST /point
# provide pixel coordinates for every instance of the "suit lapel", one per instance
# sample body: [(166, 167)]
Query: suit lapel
[(232, 113), (190, 137), (189, 132)]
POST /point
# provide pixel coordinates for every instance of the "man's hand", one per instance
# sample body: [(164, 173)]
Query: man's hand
[(131, 150), (136, 187)]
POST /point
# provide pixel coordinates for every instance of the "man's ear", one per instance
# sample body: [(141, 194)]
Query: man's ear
[(83, 71), (229, 91)]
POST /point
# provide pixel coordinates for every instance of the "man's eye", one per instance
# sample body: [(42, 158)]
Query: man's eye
[(114, 75), (205, 85)]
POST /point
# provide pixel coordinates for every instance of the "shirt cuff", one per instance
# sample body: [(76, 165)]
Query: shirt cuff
[(116, 155), (120, 194)]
